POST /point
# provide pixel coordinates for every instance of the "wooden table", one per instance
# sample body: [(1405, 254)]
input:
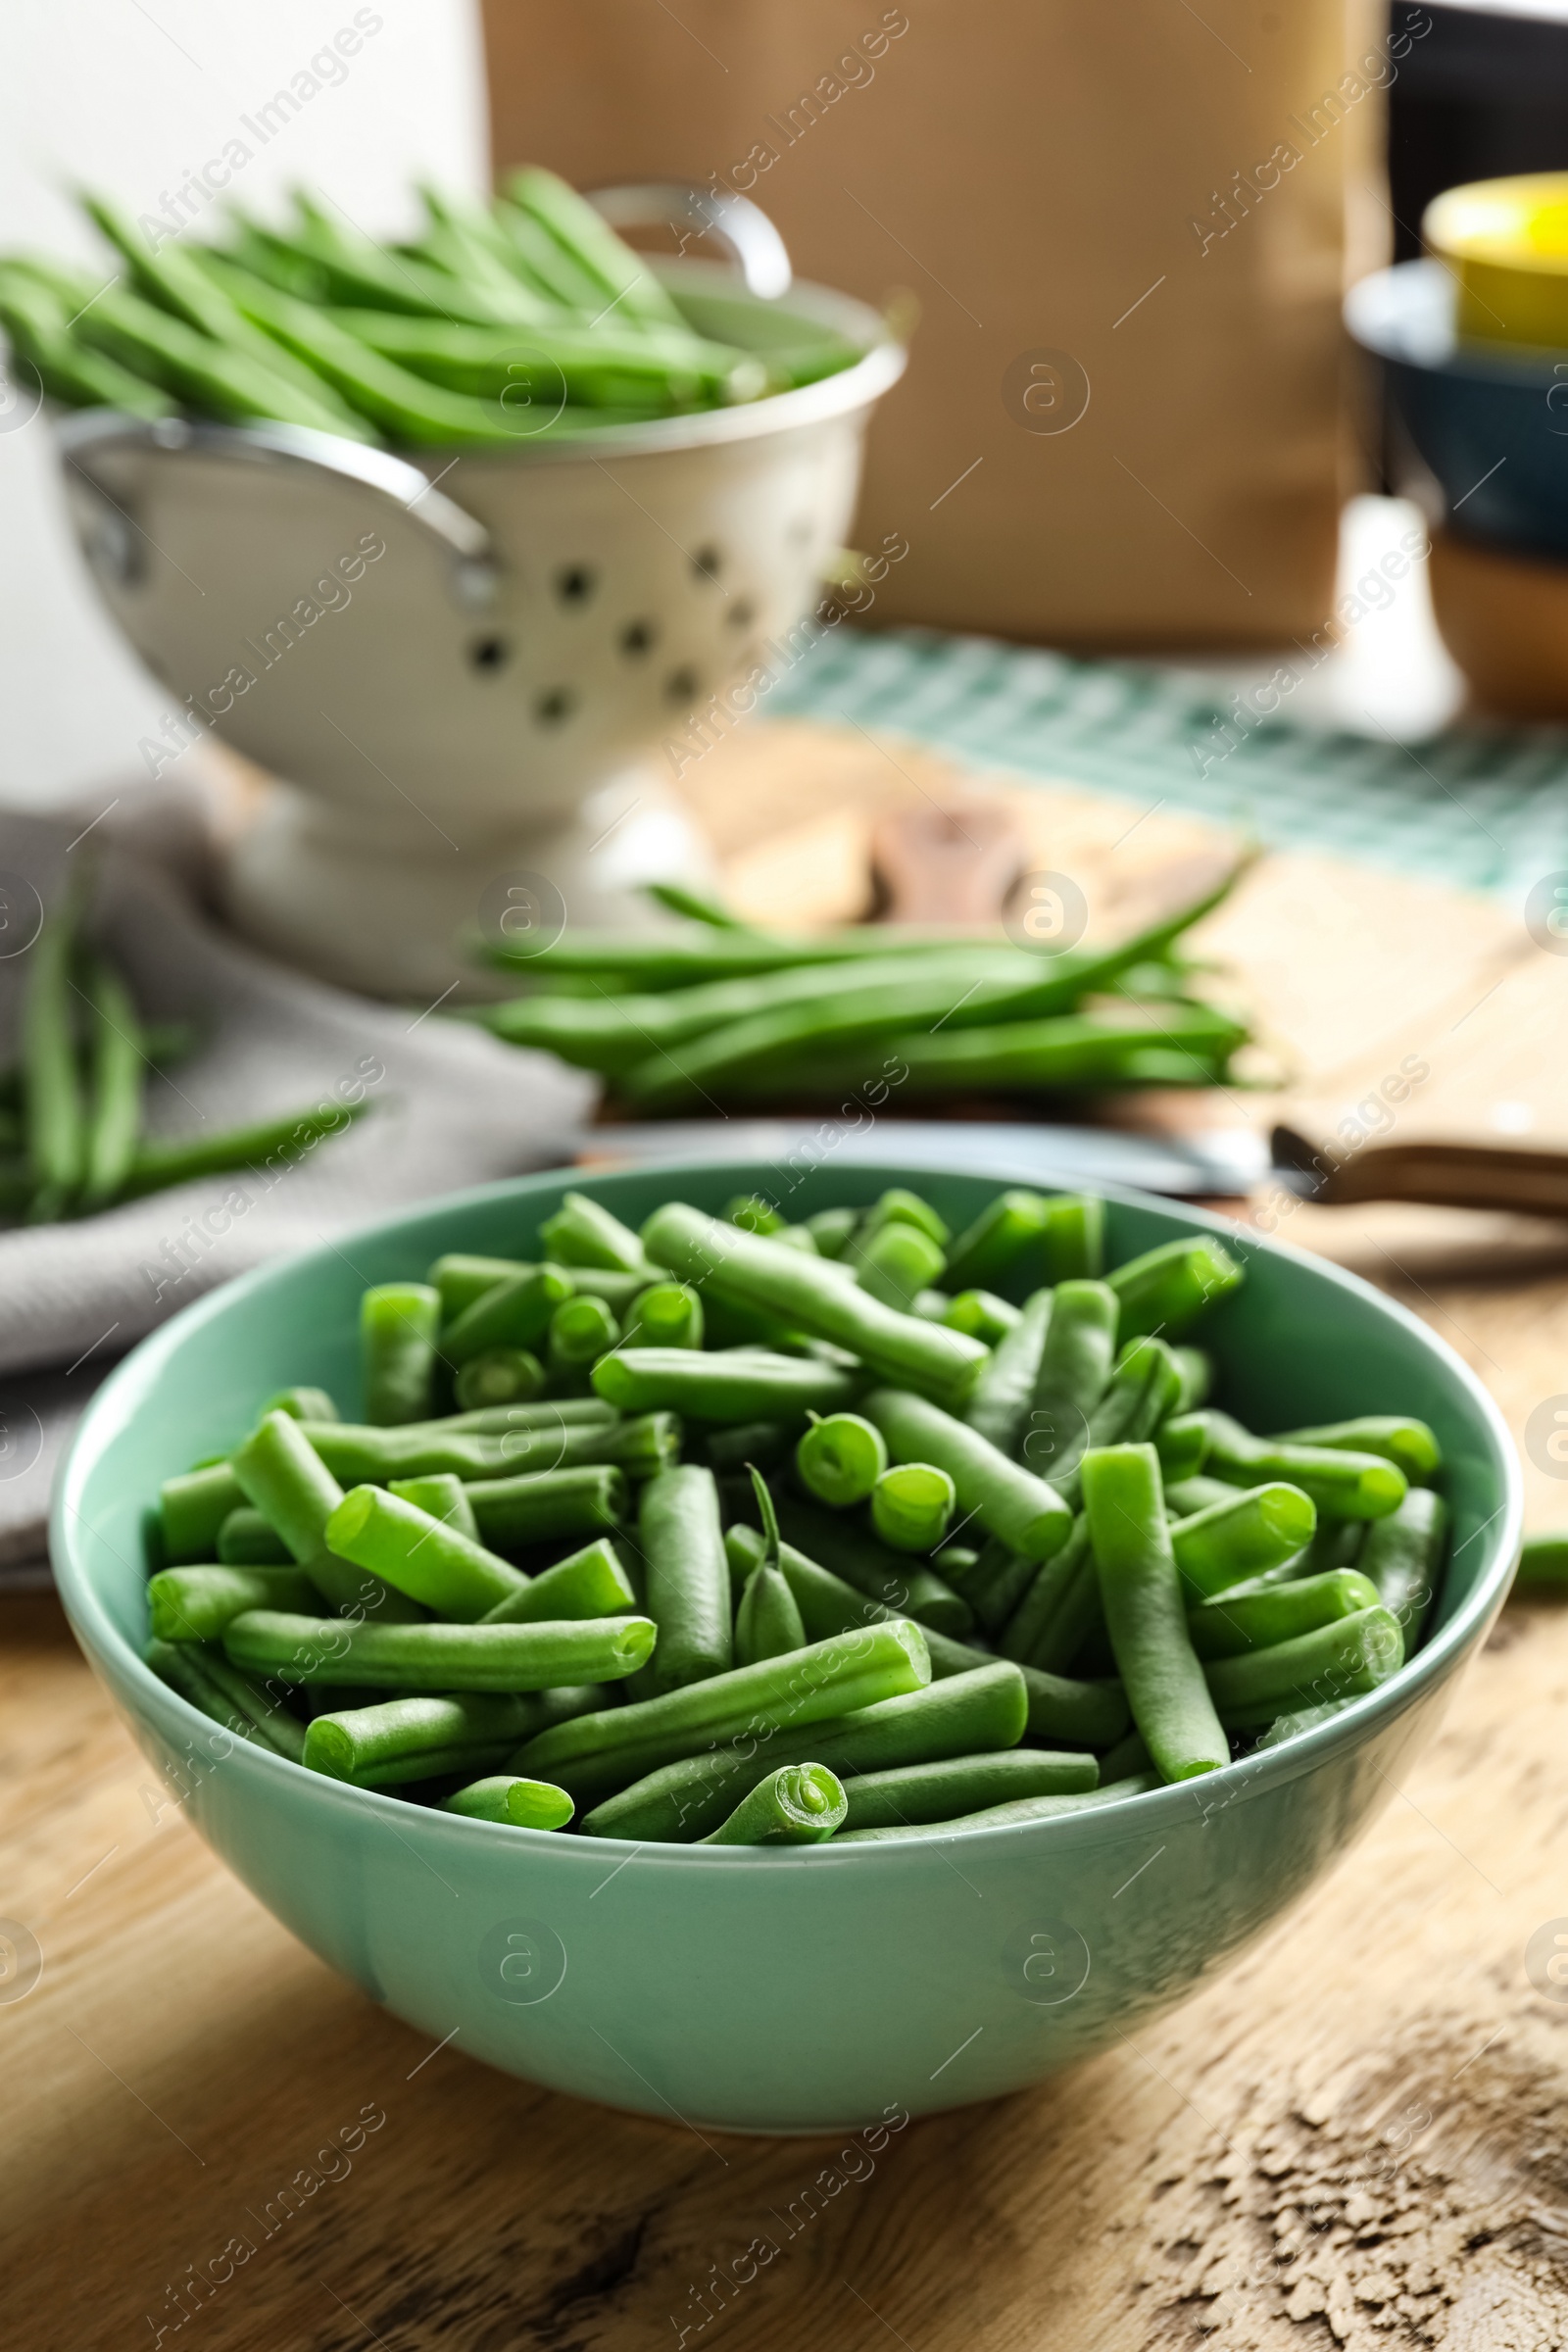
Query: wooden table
[(1359, 2137)]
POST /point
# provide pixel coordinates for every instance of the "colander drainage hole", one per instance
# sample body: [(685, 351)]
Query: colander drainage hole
[(577, 584), (681, 685), (553, 706), (490, 653), (707, 562), (637, 637)]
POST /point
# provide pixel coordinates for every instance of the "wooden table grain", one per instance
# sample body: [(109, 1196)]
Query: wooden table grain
[(1357, 2137)]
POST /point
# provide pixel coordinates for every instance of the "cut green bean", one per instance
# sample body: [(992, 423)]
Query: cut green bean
[(513, 1313), (1182, 1444), (499, 1420), (1000, 1400), (1303, 1719), (1026, 1624), (584, 1233), (737, 1383), (1167, 1290), (442, 1495), (194, 1604), (1072, 1376), (1006, 1236), (433, 1562), (668, 1314), (398, 1326), (1128, 1757), (1401, 1556), (1342, 1660), (1142, 1593), (899, 1206), (840, 1459), (797, 1804), (596, 1754), (1342, 1485), (1074, 1238), (905, 1587), (1543, 1562), (1412, 1445), (1185, 1497), (401, 1740), (205, 1678), (281, 1473), (767, 1444), (1197, 1369), (687, 1592), (682, 1800), (302, 1405), (461, 1279), (1252, 1617), (358, 1455), (542, 1505), (519, 1805), (192, 1507), (910, 1794), (590, 1583), (997, 1583), (1244, 1536), (1000, 1497), (808, 1294), (499, 1376), (913, 1505), (248, 1541), (581, 1330), (440, 1656), (831, 1229), (895, 1263), (1016, 1815), (982, 1314)]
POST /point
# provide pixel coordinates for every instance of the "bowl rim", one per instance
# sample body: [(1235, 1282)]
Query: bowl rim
[(1163, 1807)]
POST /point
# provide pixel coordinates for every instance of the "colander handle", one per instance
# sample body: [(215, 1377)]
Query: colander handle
[(742, 228), (462, 537)]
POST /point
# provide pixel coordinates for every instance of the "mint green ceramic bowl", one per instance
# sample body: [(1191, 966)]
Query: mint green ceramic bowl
[(774, 1992)]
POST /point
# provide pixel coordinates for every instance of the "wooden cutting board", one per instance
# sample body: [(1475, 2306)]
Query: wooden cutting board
[(1359, 2137)]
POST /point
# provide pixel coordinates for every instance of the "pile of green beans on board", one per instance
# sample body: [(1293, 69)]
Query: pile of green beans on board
[(73, 1139), (720, 1011), (755, 1533), (497, 321)]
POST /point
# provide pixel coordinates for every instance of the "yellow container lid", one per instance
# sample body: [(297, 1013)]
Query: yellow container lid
[(1506, 243)]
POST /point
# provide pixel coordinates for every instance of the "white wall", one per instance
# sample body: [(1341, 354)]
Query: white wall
[(132, 98)]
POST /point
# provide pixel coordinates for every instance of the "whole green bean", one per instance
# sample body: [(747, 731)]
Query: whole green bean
[(117, 1065), (683, 1799), (1073, 1374), (38, 324), (596, 1754), (1018, 1813), (235, 386), (1412, 1445), (451, 1657), (279, 1472), (442, 1495), (519, 1805), (687, 1581), (398, 1740), (1252, 1617), (1542, 1561), (499, 1376), (767, 1622), (982, 1314), (513, 1313), (797, 1804), (1001, 1497), (542, 1504), (590, 1583), (909, 1793), (1342, 1485), (581, 1330), (1303, 1719), (734, 1384), (1244, 1536), (840, 1459), (1342, 1660), (248, 1541), (1169, 1287), (584, 1233), (192, 1507), (1401, 1557), (430, 1560), (810, 1294), (55, 1117), (668, 1314), (194, 1604), (1001, 1398), (905, 1587), (268, 1144), (1140, 1590)]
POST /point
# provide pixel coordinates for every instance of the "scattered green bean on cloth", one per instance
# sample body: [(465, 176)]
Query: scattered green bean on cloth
[(652, 1594)]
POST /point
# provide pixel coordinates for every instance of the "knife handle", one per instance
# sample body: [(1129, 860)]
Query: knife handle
[(1518, 1177)]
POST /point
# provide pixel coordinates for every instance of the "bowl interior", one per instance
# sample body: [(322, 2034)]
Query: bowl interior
[(1299, 1341)]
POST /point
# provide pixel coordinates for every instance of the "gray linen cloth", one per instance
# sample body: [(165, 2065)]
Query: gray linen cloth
[(450, 1107)]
